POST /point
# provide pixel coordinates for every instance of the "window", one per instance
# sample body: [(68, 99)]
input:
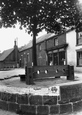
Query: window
[(62, 58), (79, 38), (28, 58), (55, 42), (50, 59), (79, 58), (55, 58), (25, 62)]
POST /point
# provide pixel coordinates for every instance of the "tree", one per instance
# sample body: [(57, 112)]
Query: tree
[(63, 14), (36, 15), (30, 14)]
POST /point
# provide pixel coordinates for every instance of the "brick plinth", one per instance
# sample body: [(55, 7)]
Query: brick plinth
[(28, 109), (49, 100), (54, 109), (69, 92), (77, 106), (13, 106), (42, 110), (65, 108), (3, 105), (22, 99), (69, 100), (35, 100)]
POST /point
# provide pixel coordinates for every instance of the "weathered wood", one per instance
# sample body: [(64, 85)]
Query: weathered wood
[(43, 72), (29, 75), (22, 77), (70, 75)]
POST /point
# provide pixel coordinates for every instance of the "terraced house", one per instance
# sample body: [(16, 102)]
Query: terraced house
[(52, 49), (9, 58)]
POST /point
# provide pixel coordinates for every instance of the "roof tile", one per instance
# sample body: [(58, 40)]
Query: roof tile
[(5, 53)]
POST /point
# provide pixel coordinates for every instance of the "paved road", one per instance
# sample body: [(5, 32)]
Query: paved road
[(7, 74), (78, 113), (2, 112)]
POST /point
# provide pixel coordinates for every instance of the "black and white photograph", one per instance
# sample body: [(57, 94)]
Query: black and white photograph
[(40, 57)]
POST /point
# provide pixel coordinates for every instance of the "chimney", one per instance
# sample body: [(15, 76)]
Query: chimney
[(15, 43), (15, 52)]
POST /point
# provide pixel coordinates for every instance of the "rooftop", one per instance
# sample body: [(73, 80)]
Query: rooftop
[(5, 53)]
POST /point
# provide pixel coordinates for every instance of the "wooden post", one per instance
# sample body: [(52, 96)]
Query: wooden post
[(70, 73), (29, 75), (16, 53)]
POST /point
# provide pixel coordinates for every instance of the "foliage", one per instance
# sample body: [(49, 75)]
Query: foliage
[(29, 13), (64, 14), (35, 15)]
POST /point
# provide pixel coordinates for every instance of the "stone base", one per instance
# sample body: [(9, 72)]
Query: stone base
[(59, 99)]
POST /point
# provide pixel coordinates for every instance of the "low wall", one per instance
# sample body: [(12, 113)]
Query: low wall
[(8, 65), (60, 99)]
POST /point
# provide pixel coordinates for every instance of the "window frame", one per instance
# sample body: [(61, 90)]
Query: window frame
[(50, 57), (78, 65), (55, 42), (77, 39), (56, 56)]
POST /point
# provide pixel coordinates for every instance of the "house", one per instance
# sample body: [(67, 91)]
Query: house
[(9, 58), (49, 47), (62, 49)]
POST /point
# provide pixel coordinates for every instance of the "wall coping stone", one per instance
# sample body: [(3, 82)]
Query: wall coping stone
[(50, 91), (38, 90), (74, 82)]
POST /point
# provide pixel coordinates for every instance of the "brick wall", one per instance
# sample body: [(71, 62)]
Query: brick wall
[(40, 48), (62, 39), (5, 65), (50, 43), (25, 56), (69, 100)]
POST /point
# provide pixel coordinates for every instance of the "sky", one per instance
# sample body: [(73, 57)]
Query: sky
[(9, 35)]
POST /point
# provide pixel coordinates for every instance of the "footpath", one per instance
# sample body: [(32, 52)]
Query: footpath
[(2, 112), (12, 72)]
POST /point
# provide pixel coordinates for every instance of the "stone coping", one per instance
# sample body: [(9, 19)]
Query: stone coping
[(34, 100), (53, 90), (70, 83)]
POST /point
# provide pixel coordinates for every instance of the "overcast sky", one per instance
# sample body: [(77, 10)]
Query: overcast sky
[(7, 37)]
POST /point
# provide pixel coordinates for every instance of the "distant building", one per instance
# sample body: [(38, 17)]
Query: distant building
[(62, 49), (9, 58), (49, 48)]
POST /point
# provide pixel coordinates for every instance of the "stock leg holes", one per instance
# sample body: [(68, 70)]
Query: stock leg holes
[(46, 71), (38, 72), (56, 70), (63, 70)]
